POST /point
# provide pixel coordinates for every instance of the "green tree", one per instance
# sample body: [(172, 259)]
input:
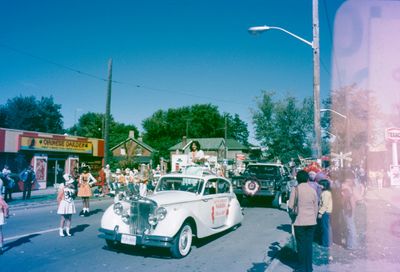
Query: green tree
[(364, 125), (91, 125), (284, 127), (237, 129), (28, 113), (166, 128)]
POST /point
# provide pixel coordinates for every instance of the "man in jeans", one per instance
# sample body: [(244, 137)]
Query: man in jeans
[(28, 177)]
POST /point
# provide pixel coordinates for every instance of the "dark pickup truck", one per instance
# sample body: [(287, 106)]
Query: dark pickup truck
[(269, 180)]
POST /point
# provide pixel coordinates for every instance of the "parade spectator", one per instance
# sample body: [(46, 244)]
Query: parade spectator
[(324, 213), (292, 166), (101, 184), (120, 178), (130, 180), (362, 176), (107, 172), (66, 204), (8, 183), (306, 220), (314, 184), (86, 180), (196, 155), (113, 183), (4, 212), (348, 212), (28, 177)]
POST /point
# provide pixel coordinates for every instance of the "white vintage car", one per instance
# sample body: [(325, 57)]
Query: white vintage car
[(183, 205)]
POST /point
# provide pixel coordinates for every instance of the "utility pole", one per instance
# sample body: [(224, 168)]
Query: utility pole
[(107, 115), (317, 80), (316, 71)]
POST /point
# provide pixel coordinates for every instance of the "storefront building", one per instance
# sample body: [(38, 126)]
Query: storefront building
[(51, 155)]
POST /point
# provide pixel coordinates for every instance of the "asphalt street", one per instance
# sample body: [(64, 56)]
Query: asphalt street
[(32, 244)]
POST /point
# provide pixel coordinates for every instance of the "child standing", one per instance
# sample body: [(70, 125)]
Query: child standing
[(3, 215), (86, 180), (66, 205), (324, 213)]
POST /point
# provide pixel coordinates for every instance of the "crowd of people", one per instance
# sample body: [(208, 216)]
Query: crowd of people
[(323, 207)]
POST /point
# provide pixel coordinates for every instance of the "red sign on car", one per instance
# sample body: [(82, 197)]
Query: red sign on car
[(393, 134)]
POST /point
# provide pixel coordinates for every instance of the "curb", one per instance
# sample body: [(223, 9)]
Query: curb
[(53, 202), (274, 262)]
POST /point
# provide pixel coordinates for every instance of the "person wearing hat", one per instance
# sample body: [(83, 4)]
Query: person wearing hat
[(120, 178), (66, 204), (86, 180)]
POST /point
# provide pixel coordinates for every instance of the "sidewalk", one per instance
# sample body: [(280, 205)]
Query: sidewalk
[(378, 229), (39, 198)]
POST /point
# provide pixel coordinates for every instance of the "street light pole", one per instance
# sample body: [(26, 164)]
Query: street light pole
[(316, 69)]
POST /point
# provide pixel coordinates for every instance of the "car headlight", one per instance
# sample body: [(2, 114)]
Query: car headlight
[(161, 212), (125, 218), (158, 215), (118, 208)]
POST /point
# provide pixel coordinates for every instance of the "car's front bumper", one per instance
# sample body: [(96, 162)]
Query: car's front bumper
[(139, 240), (265, 193)]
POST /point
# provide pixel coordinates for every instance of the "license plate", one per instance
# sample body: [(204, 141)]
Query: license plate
[(128, 239)]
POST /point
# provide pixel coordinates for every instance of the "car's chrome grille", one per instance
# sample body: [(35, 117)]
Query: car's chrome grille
[(140, 211)]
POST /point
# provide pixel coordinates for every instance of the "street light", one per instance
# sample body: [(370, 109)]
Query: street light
[(338, 113), (316, 68), (259, 29), (346, 125)]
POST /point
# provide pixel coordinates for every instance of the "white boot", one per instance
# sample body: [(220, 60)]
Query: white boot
[(67, 231), (61, 232)]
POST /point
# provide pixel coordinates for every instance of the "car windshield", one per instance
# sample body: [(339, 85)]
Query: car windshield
[(192, 185), (263, 170)]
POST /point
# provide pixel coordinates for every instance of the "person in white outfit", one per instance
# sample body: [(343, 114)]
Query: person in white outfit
[(66, 204), (196, 155)]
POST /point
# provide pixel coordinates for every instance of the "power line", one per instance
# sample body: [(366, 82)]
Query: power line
[(186, 93), (54, 63)]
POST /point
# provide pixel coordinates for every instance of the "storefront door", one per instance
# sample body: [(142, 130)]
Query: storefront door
[(55, 170)]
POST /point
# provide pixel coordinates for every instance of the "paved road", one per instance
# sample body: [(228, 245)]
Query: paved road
[(32, 244)]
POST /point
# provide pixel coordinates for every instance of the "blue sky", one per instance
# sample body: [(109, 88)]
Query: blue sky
[(166, 54)]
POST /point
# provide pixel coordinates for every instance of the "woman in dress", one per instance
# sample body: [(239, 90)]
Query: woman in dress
[(196, 155), (86, 180), (66, 205)]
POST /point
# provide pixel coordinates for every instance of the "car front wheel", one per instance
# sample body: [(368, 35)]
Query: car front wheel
[(182, 242), (278, 199)]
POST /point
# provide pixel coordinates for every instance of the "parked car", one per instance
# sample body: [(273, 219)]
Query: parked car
[(183, 205), (268, 180)]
